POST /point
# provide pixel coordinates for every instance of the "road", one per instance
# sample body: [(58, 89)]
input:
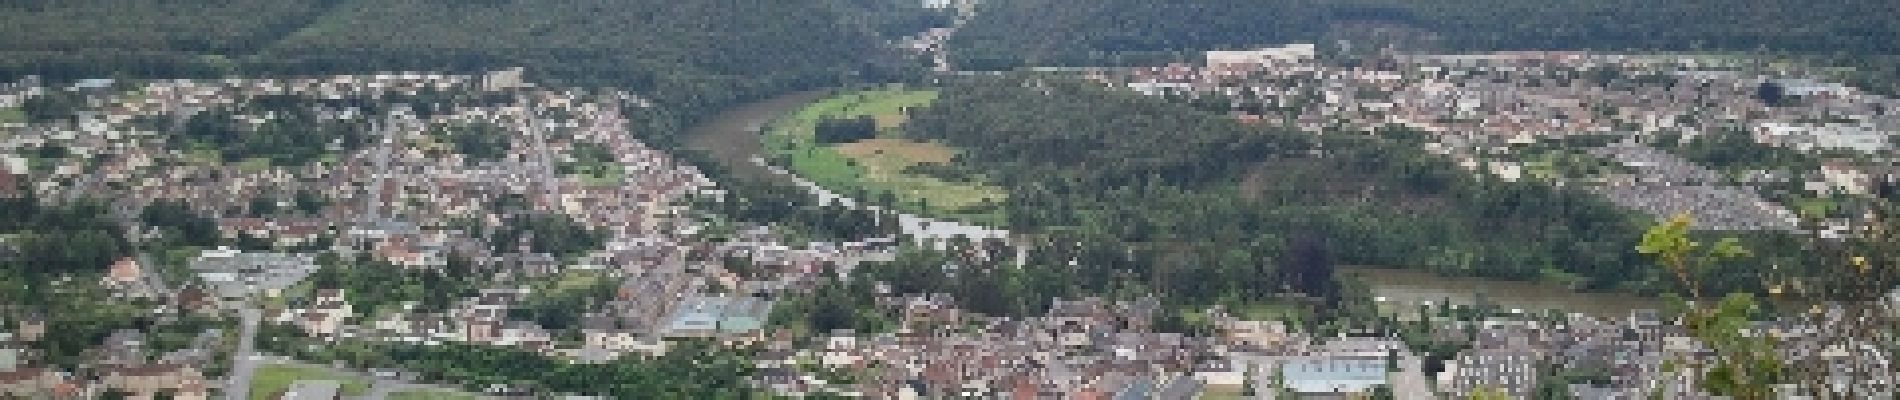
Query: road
[(379, 388), (244, 359), (1410, 382)]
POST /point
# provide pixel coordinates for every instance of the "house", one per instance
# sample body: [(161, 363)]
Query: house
[(122, 273), (621, 341), (708, 316), (1862, 137), (11, 357), (29, 382), (183, 381), (1845, 178), (30, 328), (1510, 371)]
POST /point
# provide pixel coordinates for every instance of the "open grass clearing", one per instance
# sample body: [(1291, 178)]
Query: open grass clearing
[(432, 394), (869, 168), (883, 162), (12, 115), (271, 380)]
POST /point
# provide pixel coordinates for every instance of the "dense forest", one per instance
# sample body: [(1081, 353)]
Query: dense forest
[(1042, 32), (1193, 187), (40, 242), (691, 57)]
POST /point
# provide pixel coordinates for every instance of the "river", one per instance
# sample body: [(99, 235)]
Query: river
[(732, 138)]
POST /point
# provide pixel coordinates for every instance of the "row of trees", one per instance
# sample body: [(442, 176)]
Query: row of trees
[(844, 130), (292, 135), (50, 263), (691, 370), (791, 208), (555, 234), (45, 242), (371, 285), (478, 142), (230, 27)]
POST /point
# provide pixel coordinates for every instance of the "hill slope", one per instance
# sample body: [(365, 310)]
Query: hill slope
[(1140, 170), (1052, 31), (685, 54)]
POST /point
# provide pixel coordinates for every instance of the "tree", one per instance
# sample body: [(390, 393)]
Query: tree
[(1745, 366), (1770, 93), (844, 130), (58, 105), (1309, 268), (1380, 392), (310, 202), (180, 222)]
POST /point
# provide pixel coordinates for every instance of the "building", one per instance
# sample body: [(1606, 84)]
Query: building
[(1289, 54), (1862, 137), (1333, 377), (235, 274), (29, 382), (711, 316), (184, 382), (1509, 371)]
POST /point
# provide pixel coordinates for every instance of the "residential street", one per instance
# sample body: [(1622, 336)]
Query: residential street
[(244, 359)]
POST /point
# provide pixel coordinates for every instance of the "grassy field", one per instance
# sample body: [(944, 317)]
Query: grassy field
[(12, 115), (868, 168), (272, 380), (612, 175), (431, 395), (576, 279)]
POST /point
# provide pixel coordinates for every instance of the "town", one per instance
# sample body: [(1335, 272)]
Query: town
[(442, 209), (1629, 114)]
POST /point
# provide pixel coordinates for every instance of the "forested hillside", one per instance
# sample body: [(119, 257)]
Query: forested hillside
[(687, 55), (1080, 160), (1074, 32), (194, 26)]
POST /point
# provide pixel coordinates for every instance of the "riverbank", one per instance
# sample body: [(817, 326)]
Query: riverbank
[(878, 162), (732, 136), (733, 139)]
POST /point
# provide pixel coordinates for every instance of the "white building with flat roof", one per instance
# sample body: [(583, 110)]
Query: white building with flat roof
[(1289, 54)]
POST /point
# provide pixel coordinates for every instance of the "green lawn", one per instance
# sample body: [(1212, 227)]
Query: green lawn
[(877, 166), (12, 115), (437, 394), (1812, 207), (272, 380), (611, 175), (577, 279), (1267, 311), (257, 164)]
